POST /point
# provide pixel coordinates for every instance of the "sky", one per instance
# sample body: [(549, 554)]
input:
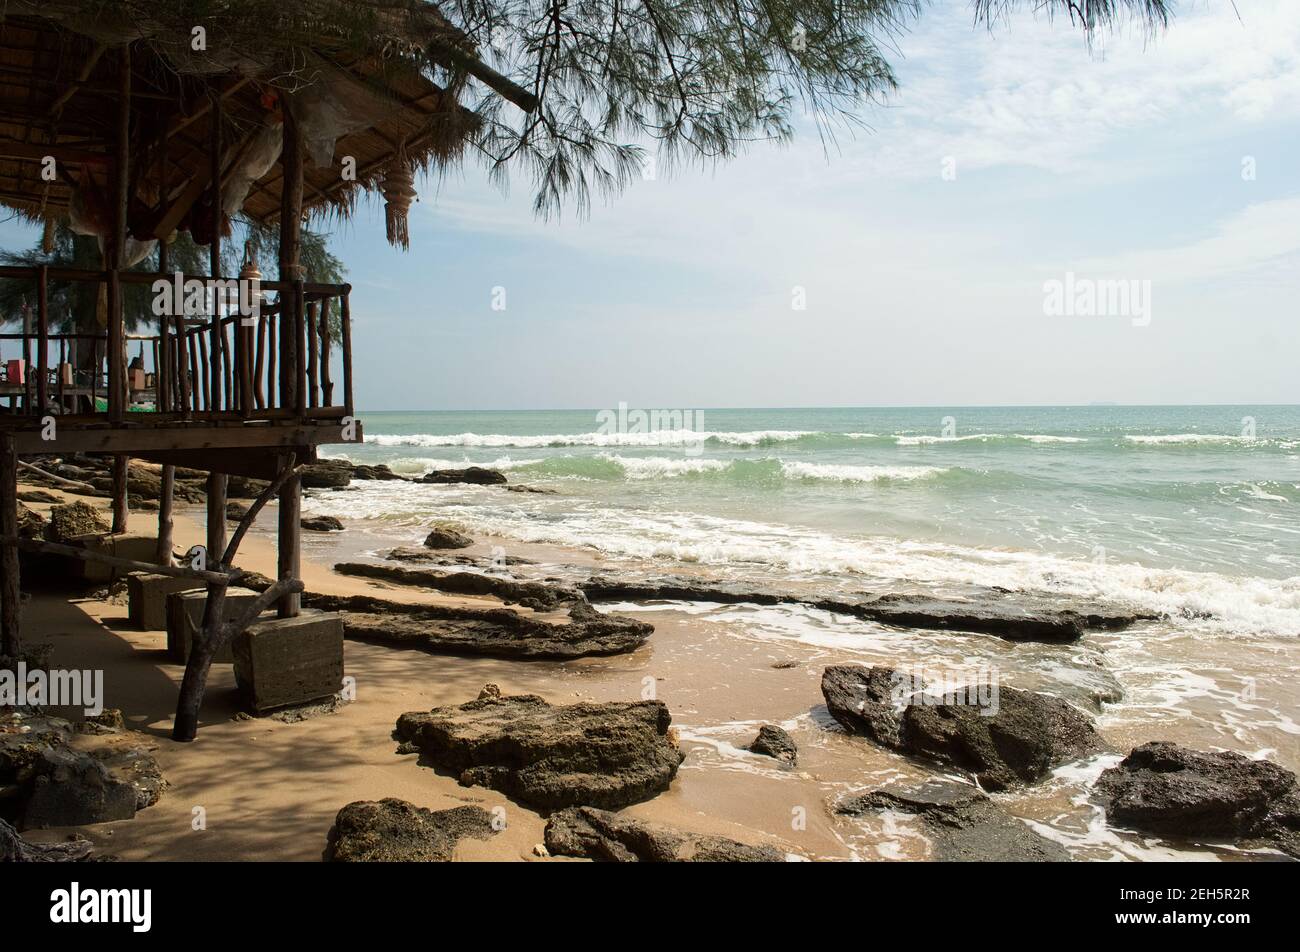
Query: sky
[(922, 248)]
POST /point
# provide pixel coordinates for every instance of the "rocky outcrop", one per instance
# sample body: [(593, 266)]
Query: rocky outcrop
[(47, 781), (394, 831), (961, 823), (407, 553), (476, 475), (1018, 739), (72, 520), (1014, 616), (612, 837), (604, 755), (31, 524), (1169, 790), (773, 741), (500, 633), (537, 595), (326, 474), (39, 495), (235, 511), (321, 524), (447, 535), (378, 471)]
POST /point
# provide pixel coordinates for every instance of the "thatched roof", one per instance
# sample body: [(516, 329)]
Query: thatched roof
[(378, 81)]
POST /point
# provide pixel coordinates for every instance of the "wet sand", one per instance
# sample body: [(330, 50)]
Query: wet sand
[(270, 790)]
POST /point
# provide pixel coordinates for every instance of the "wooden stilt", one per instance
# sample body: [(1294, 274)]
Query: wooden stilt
[(165, 496), (216, 517), (117, 393), (10, 639), (121, 465), (290, 543)]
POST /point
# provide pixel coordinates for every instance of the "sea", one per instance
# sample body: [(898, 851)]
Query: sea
[(1189, 511), (1190, 515)]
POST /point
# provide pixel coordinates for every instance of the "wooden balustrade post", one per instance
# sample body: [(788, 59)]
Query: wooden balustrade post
[(10, 635), (43, 338)]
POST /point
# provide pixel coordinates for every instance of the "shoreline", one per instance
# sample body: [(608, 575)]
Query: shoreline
[(714, 666)]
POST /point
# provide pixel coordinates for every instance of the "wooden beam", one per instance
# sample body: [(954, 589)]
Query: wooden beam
[(9, 543), (139, 441)]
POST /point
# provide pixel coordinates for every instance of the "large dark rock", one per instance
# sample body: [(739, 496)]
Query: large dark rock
[(1014, 616), (612, 837), (1020, 739), (321, 523), (39, 495), (473, 474), (773, 741), (71, 788), (961, 823), (72, 520), (447, 535), (49, 782), (1170, 790), (394, 831), (378, 471), (605, 755), (327, 474)]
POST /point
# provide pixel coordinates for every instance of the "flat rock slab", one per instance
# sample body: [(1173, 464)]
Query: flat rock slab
[(1017, 740), (472, 474), (1169, 790), (147, 597), (503, 634), (394, 831), (1014, 616), (612, 837), (535, 595), (961, 823), (605, 755)]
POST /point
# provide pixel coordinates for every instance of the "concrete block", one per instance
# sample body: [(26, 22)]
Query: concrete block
[(128, 545), (185, 615), (284, 661), (147, 597)]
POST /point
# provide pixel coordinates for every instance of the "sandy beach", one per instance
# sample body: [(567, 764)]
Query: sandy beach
[(270, 790)]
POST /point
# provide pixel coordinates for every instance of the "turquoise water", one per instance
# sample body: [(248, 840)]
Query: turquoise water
[(1195, 510)]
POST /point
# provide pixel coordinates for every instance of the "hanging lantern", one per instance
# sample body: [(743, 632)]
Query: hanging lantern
[(399, 192)]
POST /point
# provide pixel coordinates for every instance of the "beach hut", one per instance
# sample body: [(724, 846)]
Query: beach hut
[(135, 121)]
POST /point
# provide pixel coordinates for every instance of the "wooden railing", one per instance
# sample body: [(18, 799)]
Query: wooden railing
[(278, 364)]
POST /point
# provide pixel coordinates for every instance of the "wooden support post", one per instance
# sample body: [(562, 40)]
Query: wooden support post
[(165, 497), (43, 341), (63, 359), (219, 354), (216, 518), (300, 347), (117, 395), (290, 543), (345, 330), (291, 159), (121, 466), (10, 636)]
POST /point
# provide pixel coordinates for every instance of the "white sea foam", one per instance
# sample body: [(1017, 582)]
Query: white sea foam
[(929, 439), (1207, 601), (856, 474), (652, 438)]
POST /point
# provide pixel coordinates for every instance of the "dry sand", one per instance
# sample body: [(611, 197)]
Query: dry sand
[(269, 790)]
